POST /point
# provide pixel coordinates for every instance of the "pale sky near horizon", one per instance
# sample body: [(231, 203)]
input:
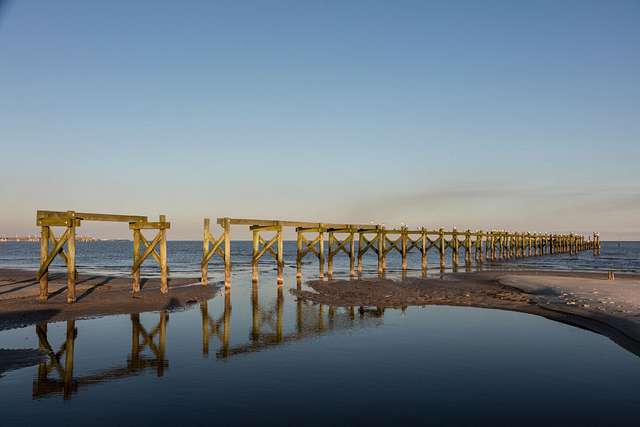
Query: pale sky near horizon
[(478, 114)]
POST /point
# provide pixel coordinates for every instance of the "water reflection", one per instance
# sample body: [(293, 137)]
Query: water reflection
[(55, 373), (148, 346), (310, 320)]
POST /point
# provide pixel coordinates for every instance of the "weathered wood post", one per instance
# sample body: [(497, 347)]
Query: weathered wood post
[(71, 258), (467, 248), (226, 225), (135, 274), (164, 282), (360, 250), (382, 238), (455, 249), (423, 250), (403, 242), (204, 265), (280, 254), (442, 249), (299, 255), (332, 242), (494, 249), (254, 259), (321, 250), (352, 252), (44, 253), (478, 252)]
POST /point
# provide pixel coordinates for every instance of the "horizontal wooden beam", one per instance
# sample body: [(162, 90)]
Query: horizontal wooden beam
[(149, 225), (87, 216), (301, 224)]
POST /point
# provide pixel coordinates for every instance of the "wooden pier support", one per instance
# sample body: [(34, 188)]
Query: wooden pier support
[(346, 245), (220, 246), (261, 247), (314, 246), (70, 220)]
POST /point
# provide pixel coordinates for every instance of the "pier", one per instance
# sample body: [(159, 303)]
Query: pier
[(464, 247), (469, 246), (71, 220)]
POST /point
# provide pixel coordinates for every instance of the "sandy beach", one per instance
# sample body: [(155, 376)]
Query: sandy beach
[(97, 295)]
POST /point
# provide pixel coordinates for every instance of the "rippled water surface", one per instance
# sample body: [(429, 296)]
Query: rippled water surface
[(259, 355)]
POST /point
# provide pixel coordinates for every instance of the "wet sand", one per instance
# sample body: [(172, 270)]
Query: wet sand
[(586, 300), (96, 296)]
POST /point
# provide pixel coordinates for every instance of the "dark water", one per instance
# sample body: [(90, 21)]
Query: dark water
[(258, 355)]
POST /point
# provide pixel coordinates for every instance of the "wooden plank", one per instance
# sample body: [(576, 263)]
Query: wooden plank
[(90, 216), (149, 225), (303, 224)]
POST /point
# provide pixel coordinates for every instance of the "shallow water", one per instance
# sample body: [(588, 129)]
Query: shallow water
[(257, 354)]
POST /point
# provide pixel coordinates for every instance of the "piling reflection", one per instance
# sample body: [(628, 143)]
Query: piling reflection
[(267, 322), (147, 351), (55, 373), (218, 328)]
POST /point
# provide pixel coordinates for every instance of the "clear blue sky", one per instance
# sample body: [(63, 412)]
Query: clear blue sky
[(478, 114)]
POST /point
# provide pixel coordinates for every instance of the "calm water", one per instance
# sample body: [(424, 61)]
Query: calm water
[(259, 355)]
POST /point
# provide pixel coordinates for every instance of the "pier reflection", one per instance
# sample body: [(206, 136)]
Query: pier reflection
[(55, 373), (267, 322), (147, 350)]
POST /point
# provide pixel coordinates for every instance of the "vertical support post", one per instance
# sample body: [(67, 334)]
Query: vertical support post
[(331, 254), (280, 255), (423, 250), (382, 240), (44, 253), (352, 252), (455, 250), (321, 250), (299, 255), (71, 259), (254, 259), (226, 224), (403, 242), (360, 251), (164, 283), (136, 255), (467, 248), (442, 250), (204, 267)]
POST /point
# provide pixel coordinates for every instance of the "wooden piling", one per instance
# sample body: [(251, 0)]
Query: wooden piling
[(403, 237), (71, 259), (204, 266), (382, 238), (44, 253), (442, 247)]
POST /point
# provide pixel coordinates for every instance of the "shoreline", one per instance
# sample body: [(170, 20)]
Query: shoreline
[(97, 296), (584, 300)]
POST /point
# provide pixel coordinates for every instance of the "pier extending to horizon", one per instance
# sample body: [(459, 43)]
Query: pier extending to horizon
[(465, 247), (472, 246)]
